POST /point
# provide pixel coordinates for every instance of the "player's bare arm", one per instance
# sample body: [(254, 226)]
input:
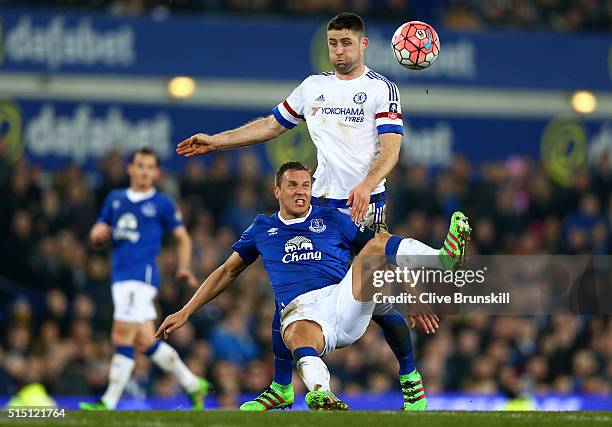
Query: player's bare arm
[(255, 132), (100, 233), (359, 197), (183, 251), (215, 284)]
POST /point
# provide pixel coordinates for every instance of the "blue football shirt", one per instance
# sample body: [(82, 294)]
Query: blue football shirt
[(302, 254), (138, 231)]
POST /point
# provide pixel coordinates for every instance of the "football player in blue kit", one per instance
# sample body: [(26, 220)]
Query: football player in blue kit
[(322, 300), (135, 220)]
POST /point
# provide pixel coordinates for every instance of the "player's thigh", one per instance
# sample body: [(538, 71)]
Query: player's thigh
[(352, 316), (146, 336), (124, 333)]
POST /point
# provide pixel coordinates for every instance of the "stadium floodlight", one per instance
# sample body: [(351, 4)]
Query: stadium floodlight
[(181, 87), (584, 102)]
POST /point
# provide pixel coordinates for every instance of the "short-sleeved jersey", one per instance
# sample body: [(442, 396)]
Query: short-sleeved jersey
[(138, 231), (345, 119), (302, 254)]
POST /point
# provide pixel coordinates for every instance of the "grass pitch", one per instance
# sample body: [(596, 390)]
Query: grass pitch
[(298, 418)]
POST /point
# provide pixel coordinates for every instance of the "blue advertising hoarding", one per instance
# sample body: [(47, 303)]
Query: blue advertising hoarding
[(278, 49), (382, 401), (54, 134)]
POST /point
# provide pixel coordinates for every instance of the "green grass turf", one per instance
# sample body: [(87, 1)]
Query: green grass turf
[(296, 418)]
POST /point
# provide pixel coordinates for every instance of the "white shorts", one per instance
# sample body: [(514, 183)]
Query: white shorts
[(342, 318), (134, 301)]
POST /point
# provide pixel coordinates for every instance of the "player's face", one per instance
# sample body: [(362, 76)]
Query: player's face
[(346, 49), (143, 172), (294, 193)]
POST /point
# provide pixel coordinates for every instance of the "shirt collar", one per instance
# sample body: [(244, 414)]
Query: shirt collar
[(294, 220), (135, 196)]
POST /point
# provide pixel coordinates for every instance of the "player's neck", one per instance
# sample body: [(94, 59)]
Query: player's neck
[(143, 190), (356, 73), (287, 217)]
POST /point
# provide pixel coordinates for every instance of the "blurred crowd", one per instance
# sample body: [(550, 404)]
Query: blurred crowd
[(559, 15), (56, 306)]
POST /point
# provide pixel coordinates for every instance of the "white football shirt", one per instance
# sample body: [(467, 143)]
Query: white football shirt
[(345, 119)]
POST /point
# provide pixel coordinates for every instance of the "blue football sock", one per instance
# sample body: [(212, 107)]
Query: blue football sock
[(397, 334)]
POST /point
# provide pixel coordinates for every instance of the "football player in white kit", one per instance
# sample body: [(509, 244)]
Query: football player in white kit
[(354, 118)]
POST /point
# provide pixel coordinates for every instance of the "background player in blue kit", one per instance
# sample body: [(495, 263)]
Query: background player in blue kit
[(135, 219), (323, 303)]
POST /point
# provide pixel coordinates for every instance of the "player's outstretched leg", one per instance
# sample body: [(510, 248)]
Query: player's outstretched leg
[(452, 252), (279, 394), (168, 360)]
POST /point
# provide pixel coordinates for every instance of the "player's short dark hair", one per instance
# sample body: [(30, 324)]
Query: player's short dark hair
[(347, 21), (289, 166), (147, 151)]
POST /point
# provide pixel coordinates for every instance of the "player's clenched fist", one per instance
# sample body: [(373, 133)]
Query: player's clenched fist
[(195, 145), (100, 233), (171, 323)]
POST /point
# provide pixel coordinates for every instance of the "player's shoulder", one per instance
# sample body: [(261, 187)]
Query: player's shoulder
[(164, 198), (117, 193), (325, 212), (261, 221), (384, 84), (373, 75), (319, 77)]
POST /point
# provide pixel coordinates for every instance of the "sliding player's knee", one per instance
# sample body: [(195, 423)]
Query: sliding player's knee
[(304, 333), (376, 246)]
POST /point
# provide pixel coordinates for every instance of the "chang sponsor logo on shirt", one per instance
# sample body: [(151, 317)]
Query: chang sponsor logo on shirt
[(300, 248), (127, 228)]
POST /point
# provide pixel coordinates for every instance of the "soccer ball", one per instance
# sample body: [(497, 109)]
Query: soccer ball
[(415, 45)]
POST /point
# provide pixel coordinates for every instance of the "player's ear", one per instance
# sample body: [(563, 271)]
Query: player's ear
[(365, 42), (277, 192)]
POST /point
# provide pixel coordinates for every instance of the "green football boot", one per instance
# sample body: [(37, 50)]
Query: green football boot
[(319, 400), (95, 406), (197, 397), (452, 252), (414, 393), (276, 396)]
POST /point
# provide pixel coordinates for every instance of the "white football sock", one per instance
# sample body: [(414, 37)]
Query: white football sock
[(168, 359), (120, 372), (413, 254), (313, 371)]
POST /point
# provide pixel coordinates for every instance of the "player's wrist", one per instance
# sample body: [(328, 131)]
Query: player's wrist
[(369, 184), (186, 312), (218, 141)]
